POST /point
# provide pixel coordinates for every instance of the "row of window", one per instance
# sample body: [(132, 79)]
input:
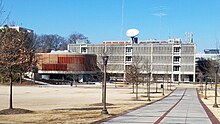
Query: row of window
[(113, 67), (187, 50), (116, 58), (187, 68), (157, 58), (140, 49), (183, 68), (187, 59), (165, 49), (165, 68), (162, 59)]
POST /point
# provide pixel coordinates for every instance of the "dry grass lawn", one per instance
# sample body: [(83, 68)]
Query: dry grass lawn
[(211, 100), (65, 104)]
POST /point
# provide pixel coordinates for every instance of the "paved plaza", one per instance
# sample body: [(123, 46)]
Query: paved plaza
[(182, 107)]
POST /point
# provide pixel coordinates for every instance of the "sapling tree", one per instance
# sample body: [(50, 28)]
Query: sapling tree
[(16, 50)]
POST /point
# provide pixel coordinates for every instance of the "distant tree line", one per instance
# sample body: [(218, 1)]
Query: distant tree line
[(47, 42)]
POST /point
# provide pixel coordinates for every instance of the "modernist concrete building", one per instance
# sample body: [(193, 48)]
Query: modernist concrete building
[(209, 54), (59, 64), (165, 57), (18, 28)]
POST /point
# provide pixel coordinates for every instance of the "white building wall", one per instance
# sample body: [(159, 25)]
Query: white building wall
[(175, 59)]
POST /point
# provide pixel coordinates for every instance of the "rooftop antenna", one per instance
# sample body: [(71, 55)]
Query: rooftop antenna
[(216, 42), (160, 14), (169, 33), (122, 19), (189, 37)]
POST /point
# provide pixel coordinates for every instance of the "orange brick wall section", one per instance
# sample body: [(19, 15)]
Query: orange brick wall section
[(66, 62)]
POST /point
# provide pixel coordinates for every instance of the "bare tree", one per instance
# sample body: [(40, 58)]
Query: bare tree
[(15, 50), (207, 67), (73, 79), (46, 43), (146, 67), (167, 77), (201, 77), (133, 75), (212, 68), (77, 37), (155, 79)]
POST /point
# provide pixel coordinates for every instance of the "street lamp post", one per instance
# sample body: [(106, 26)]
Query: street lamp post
[(215, 104), (163, 86), (105, 60), (148, 87)]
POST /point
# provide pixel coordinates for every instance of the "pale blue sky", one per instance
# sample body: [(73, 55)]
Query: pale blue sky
[(100, 20)]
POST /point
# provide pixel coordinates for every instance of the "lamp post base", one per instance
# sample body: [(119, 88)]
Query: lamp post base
[(104, 111), (215, 105)]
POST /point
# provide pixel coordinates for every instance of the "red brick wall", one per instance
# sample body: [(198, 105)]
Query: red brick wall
[(67, 62), (54, 67)]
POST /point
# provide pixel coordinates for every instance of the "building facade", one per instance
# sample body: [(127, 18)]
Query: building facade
[(57, 65), (169, 57), (18, 28), (209, 54)]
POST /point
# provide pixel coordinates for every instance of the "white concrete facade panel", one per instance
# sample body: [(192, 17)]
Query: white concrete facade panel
[(174, 58)]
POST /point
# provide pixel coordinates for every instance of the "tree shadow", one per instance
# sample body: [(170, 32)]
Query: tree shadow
[(78, 109), (81, 109), (15, 111), (100, 104)]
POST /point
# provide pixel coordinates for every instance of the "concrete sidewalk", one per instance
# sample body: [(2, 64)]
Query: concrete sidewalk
[(182, 106), (189, 110)]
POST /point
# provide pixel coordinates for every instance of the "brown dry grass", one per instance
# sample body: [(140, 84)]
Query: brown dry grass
[(69, 115), (209, 102), (67, 105)]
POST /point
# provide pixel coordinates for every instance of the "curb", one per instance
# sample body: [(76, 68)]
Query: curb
[(211, 116)]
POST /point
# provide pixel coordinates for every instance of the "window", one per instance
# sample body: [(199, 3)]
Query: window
[(176, 77), (176, 59), (176, 49), (83, 50), (128, 49), (128, 58), (176, 68)]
